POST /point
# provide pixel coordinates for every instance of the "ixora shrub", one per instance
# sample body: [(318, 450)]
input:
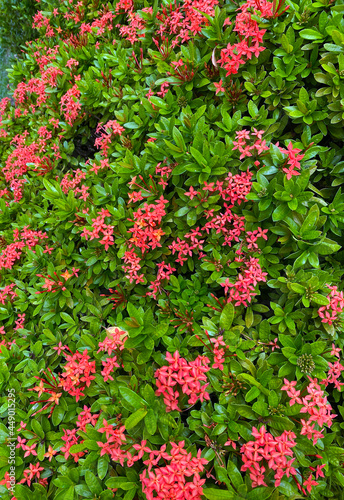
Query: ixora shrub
[(171, 257)]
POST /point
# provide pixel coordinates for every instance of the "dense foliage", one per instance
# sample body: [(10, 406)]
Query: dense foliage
[(16, 23), (171, 252)]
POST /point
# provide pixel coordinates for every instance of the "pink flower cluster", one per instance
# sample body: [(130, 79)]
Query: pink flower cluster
[(19, 322), (334, 308), (132, 267), (54, 284), (274, 450), (99, 226), (183, 21), (78, 374), (242, 290), (259, 146), (107, 132), (33, 86), (50, 74), (188, 375), (7, 293), (33, 472), (246, 150), (164, 273), (251, 37), (170, 481), (26, 239), (293, 160), (70, 104), (335, 370), (146, 233), (218, 352), (186, 246), (315, 404), (85, 417), (114, 341), (115, 439), (17, 166), (69, 183), (132, 32), (252, 237), (233, 188), (71, 438), (164, 171), (222, 223)]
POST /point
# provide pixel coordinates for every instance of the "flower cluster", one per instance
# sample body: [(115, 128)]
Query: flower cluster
[(188, 375), (246, 150), (115, 439), (27, 238), (274, 450), (99, 226), (316, 406), (114, 341), (293, 160), (332, 311), (7, 293), (251, 37), (107, 132), (78, 374), (54, 284), (70, 183), (243, 289), (164, 273), (70, 104), (171, 481)]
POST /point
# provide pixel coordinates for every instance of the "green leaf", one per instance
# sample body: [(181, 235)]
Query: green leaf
[(172, 146), (178, 139), (318, 347), (301, 260), (160, 103), (198, 157), (260, 493), (280, 212), (93, 483), (66, 317), (337, 37), (326, 247), (37, 428), (297, 288), (132, 125), (216, 494), (76, 448), (246, 377), (320, 299), (227, 316), (132, 398), (234, 474), (182, 211), (246, 411), (135, 418), (281, 423), (252, 394), (57, 415), (310, 220), (151, 421), (191, 218), (311, 34), (102, 467), (119, 482)]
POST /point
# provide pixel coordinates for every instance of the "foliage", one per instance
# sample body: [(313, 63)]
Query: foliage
[(171, 252), (16, 23)]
